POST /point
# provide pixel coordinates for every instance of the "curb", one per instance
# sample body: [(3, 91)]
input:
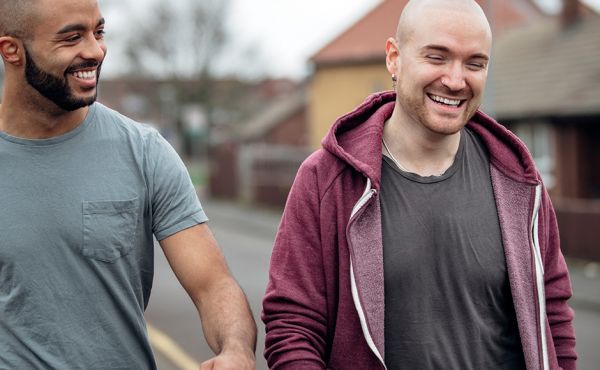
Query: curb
[(167, 348), (263, 220)]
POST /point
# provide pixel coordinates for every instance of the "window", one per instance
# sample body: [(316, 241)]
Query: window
[(539, 138)]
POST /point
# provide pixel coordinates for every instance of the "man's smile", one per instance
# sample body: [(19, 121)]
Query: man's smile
[(86, 78), (446, 101), (85, 75)]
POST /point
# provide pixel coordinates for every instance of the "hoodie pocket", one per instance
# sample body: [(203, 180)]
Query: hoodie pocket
[(109, 229)]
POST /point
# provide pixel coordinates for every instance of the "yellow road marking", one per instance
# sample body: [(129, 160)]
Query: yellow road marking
[(162, 343)]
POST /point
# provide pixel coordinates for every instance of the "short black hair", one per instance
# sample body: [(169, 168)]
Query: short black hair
[(15, 17)]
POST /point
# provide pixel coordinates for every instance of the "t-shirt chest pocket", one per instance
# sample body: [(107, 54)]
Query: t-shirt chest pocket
[(109, 228)]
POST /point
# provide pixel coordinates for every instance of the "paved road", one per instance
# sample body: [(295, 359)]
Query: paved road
[(587, 327), (586, 303), (246, 237)]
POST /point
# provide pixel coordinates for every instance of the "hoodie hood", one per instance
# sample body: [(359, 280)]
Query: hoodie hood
[(355, 138), (507, 152)]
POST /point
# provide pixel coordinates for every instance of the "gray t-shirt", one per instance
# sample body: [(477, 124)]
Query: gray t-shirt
[(448, 303), (77, 215)]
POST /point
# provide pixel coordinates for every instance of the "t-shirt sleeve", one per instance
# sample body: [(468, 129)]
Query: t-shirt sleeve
[(174, 203)]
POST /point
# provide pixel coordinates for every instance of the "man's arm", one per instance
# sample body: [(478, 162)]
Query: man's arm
[(557, 289), (295, 305), (227, 321)]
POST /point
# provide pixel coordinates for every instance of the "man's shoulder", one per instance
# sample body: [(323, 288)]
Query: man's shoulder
[(322, 168), (111, 119), (106, 113), (322, 161)]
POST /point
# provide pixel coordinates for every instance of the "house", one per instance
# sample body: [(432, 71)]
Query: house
[(544, 85), (256, 160)]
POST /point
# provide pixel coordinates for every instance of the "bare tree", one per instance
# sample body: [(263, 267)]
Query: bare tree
[(179, 39)]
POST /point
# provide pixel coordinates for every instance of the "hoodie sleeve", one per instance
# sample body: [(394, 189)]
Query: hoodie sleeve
[(557, 288), (294, 306)]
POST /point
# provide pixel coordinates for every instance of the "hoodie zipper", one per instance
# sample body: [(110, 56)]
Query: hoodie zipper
[(364, 199), (539, 277), (367, 195)]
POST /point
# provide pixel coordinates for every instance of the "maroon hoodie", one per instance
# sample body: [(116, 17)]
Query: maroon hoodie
[(324, 304)]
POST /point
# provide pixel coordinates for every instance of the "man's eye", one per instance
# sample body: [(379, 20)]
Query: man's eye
[(73, 38), (435, 58), (476, 66), (100, 33)]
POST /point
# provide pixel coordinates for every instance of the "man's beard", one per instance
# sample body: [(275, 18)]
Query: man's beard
[(57, 89), (415, 107)]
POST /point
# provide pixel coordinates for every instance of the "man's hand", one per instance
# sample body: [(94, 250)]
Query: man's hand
[(230, 360)]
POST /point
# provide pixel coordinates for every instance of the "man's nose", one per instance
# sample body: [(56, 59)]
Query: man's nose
[(454, 79), (93, 49)]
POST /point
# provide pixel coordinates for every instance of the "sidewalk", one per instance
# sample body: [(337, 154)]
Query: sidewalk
[(585, 279), (250, 218)]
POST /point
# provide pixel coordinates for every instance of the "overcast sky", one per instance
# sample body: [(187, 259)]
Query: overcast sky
[(280, 34)]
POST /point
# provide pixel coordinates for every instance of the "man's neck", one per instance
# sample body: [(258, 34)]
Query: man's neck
[(417, 149), (37, 121)]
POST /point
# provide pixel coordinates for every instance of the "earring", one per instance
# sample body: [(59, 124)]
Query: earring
[(394, 80)]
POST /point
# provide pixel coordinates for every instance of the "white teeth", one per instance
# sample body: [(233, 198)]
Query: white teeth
[(440, 99), (86, 75)]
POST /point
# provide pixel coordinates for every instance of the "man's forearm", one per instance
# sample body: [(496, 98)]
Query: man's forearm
[(226, 318)]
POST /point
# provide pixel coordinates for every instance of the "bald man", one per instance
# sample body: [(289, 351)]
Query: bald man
[(421, 235), (83, 190)]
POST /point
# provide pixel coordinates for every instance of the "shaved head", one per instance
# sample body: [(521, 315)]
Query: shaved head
[(439, 60), (16, 17), (415, 10)]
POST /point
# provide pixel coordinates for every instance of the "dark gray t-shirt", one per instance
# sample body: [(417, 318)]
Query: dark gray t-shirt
[(448, 303), (77, 216)]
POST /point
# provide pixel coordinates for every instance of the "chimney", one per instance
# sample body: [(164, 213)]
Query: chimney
[(570, 13)]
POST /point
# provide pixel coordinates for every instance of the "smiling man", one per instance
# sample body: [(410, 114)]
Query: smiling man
[(421, 235), (83, 191)]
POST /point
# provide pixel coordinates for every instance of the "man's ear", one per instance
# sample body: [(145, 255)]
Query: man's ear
[(392, 56), (11, 50)]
